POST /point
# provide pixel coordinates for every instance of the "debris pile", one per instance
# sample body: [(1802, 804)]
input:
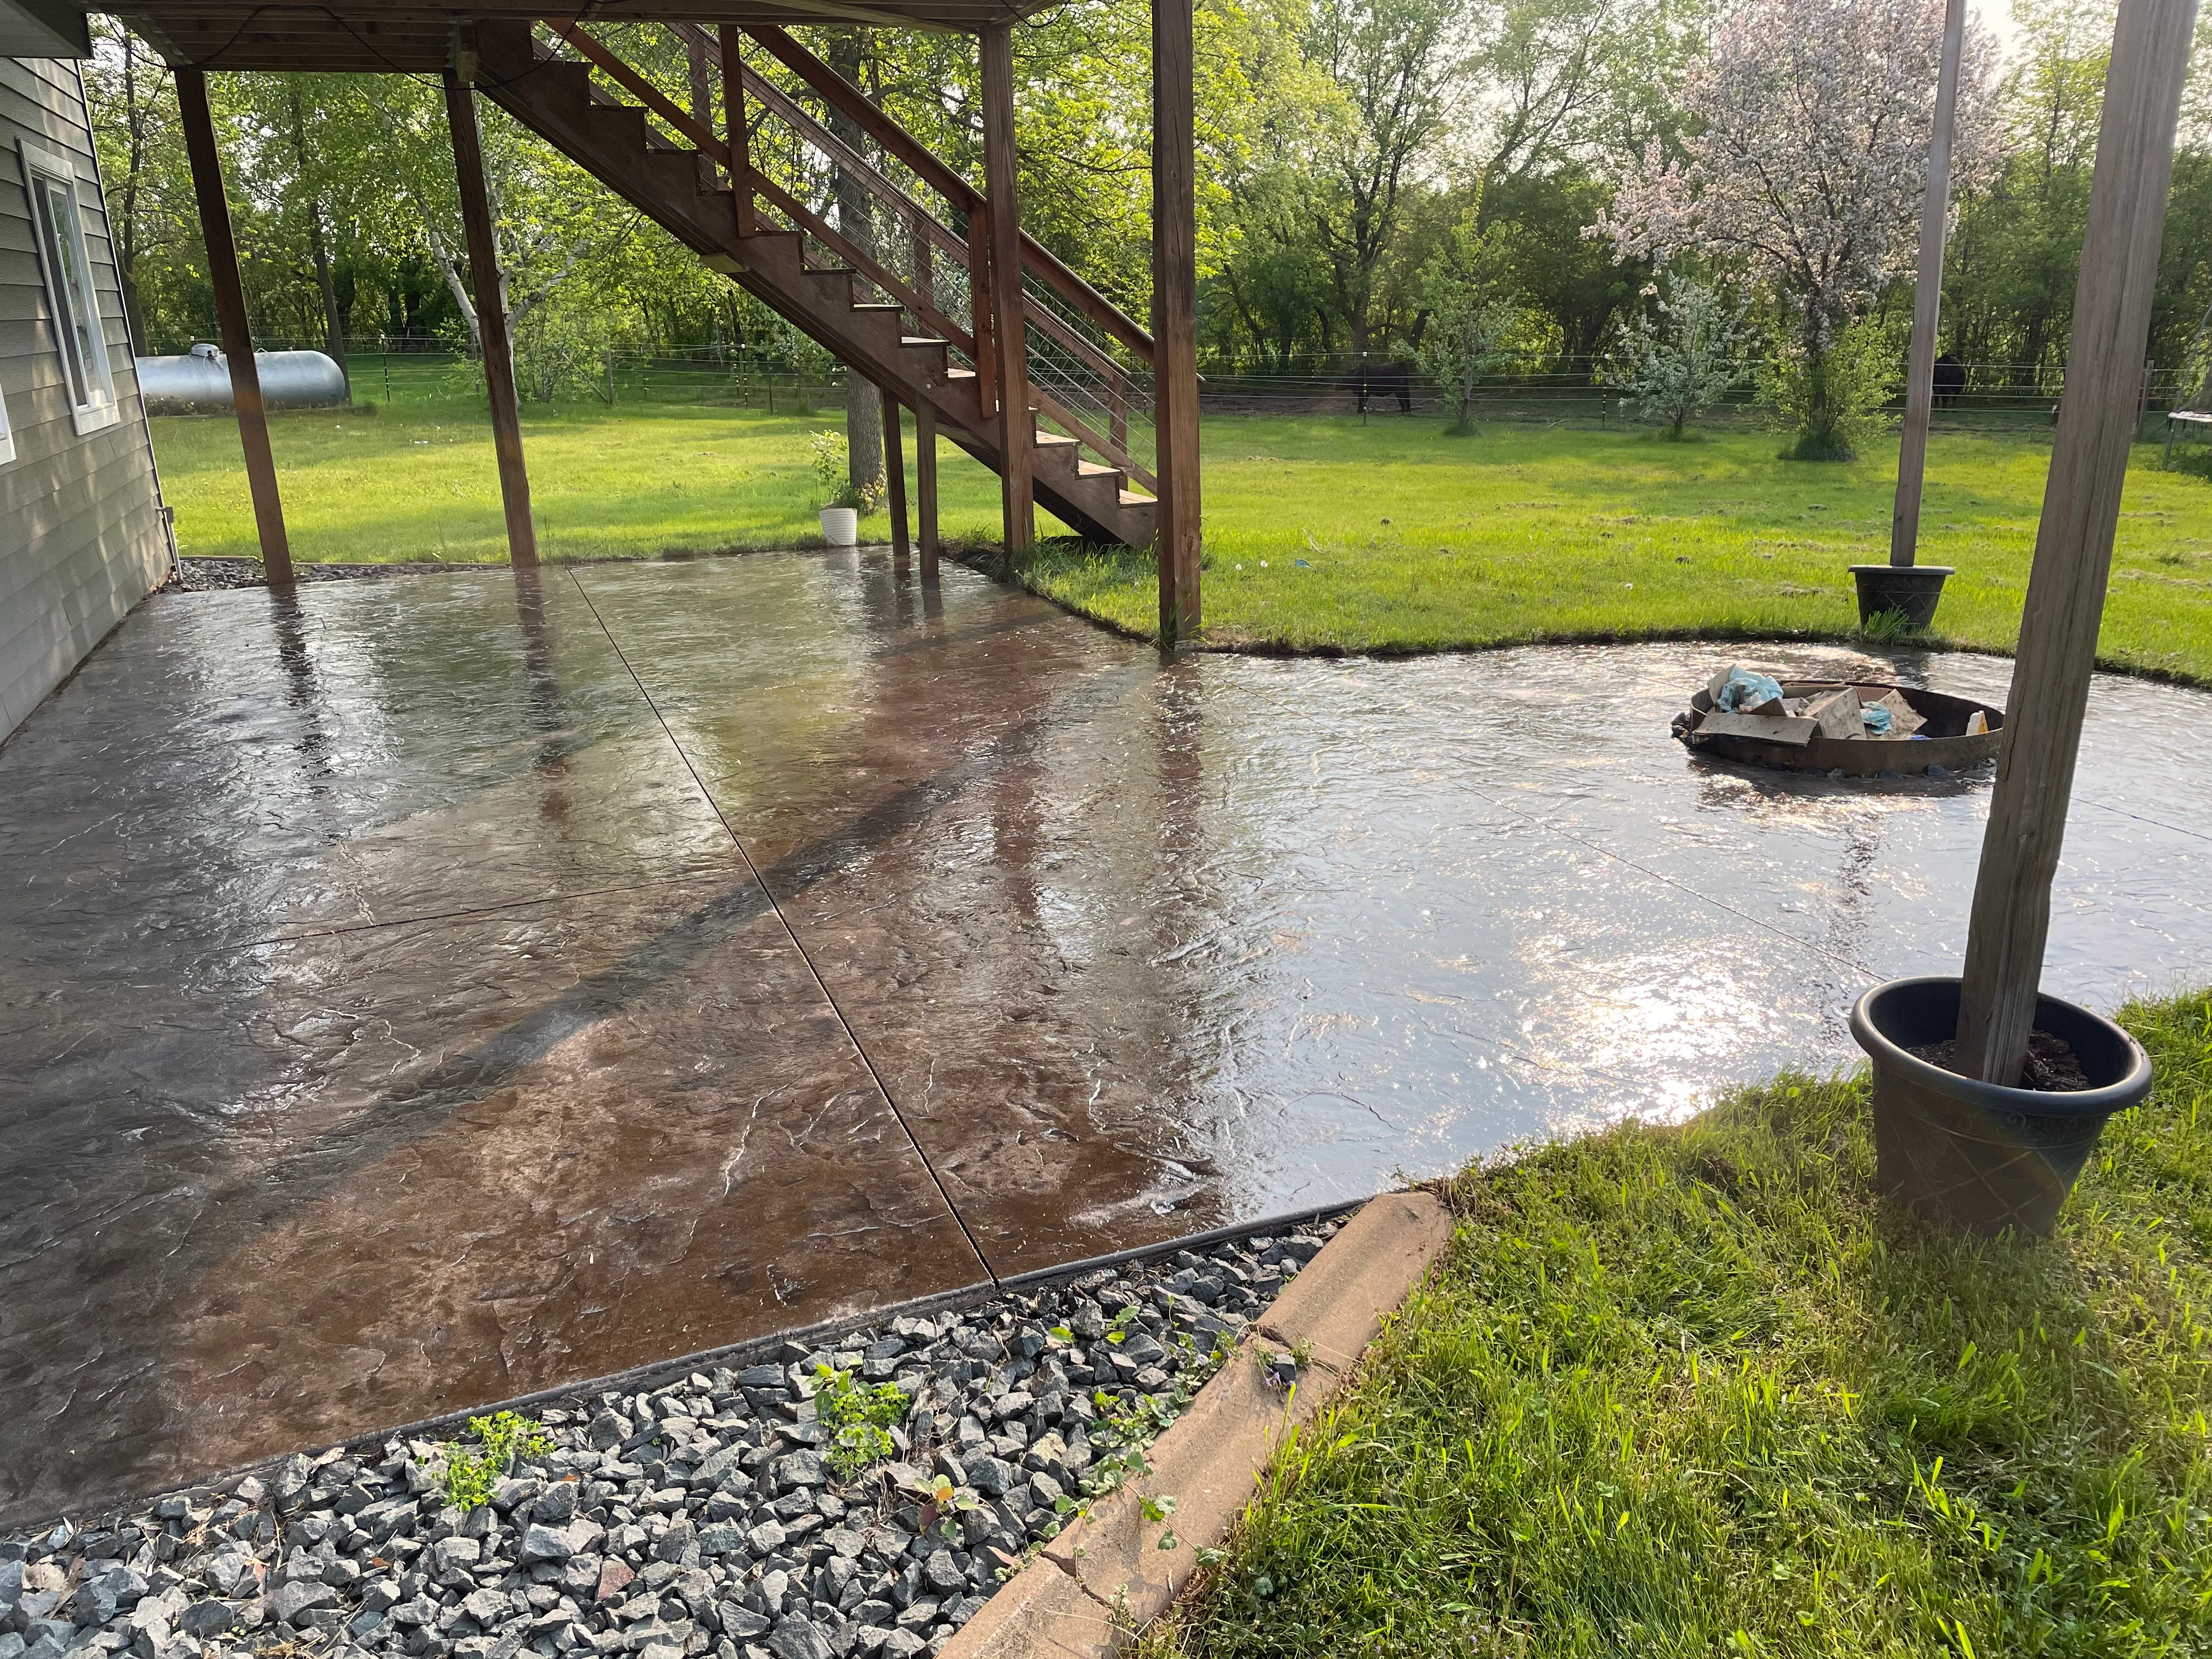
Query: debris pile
[(1748, 704), (1745, 714)]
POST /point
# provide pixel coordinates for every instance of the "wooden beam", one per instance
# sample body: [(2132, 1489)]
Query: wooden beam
[(231, 321), (925, 483), (2011, 915), (702, 108), (1927, 296), (1010, 351), (491, 321), (1175, 318), (895, 476), (738, 145)]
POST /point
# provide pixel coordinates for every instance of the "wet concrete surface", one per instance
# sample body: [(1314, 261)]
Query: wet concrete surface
[(418, 993)]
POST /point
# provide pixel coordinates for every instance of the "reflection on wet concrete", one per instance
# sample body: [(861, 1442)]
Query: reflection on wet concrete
[(417, 993)]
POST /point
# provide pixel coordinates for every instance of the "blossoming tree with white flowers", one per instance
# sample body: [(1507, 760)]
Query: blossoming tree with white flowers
[(1676, 364), (1806, 168)]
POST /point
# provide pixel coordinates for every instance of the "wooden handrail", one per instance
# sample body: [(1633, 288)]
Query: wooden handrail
[(1079, 428), (819, 229), (844, 96), (780, 103), (658, 102), (932, 171)]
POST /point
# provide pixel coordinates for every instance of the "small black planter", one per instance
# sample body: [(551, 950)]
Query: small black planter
[(1955, 1150), (1912, 588)]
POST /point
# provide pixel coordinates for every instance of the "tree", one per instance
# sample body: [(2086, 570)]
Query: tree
[(1470, 321), (1809, 166), (1398, 65), (1677, 363)]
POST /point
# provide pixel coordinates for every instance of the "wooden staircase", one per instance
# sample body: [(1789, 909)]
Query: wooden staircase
[(563, 101)]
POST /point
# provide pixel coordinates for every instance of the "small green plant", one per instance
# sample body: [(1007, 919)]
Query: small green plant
[(469, 1476), (1886, 626), (833, 475), (858, 1415)]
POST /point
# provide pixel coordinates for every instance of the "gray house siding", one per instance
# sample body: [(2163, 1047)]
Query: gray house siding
[(81, 534)]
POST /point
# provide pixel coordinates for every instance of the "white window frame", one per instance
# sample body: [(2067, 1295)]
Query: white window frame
[(7, 435), (52, 189)]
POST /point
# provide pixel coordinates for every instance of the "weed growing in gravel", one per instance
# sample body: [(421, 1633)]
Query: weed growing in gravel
[(858, 1417), (469, 1476)]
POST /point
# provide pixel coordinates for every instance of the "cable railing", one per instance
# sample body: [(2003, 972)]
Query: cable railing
[(900, 218)]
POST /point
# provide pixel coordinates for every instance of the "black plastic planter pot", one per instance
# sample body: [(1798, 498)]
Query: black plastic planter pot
[(1913, 589), (1970, 1154)]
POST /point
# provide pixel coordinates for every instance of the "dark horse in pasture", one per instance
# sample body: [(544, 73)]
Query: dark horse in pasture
[(1950, 381), (1384, 381)]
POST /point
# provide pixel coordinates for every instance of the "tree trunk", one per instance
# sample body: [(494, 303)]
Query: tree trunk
[(864, 405), (333, 324)]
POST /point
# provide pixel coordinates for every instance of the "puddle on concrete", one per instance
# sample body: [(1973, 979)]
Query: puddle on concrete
[(415, 994)]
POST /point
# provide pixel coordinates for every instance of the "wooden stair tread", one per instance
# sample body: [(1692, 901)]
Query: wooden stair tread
[(1131, 498), (919, 341)]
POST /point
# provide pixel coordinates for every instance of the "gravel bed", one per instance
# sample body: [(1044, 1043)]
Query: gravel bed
[(702, 1516)]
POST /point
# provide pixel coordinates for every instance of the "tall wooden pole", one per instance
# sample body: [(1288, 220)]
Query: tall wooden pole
[(491, 320), (895, 476), (702, 104), (2065, 602), (733, 120), (1017, 429), (1175, 318), (925, 483), (1928, 295), (231, 321)]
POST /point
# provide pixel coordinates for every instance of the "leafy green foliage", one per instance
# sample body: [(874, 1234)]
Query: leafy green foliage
[(1694, 1391), (857, 1417), (469, 1474), (1678, 363), (833, 478)]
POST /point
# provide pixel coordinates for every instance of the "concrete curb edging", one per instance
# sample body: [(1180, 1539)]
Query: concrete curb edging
[(1105, 1577)]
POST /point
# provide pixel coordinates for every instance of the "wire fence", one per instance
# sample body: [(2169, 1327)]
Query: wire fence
[(785, 375)]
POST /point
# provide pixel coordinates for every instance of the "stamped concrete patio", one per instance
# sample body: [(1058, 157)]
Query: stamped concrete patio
[(418, 993)]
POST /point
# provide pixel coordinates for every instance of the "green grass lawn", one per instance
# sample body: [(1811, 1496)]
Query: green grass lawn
[(1321, 531), (1690, 1392)]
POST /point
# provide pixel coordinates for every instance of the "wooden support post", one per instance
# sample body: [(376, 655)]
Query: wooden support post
[(1175, 318), (1927, 296), (895, 476), (925, 483), (702, 105), (1017, 427), (734, 121), (925, 279), (2065, 602), (231, 320), (491, 320)]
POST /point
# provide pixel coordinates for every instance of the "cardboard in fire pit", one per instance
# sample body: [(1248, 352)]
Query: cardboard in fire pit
[(1762, 728)]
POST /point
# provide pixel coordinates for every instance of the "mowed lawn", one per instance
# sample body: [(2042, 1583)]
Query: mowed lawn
[(1321, 531), (1695, 1391)]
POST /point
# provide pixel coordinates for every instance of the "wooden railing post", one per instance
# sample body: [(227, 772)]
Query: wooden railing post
[(2011, 918), (702, 105), (1017, 428), (733, 119), (491, 320), (1927, 298), (230, 316), (1175, 319)]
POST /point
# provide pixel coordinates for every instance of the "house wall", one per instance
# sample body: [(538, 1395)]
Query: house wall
[(82, 538)]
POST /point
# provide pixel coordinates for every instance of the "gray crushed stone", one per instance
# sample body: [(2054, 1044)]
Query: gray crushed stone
[(700, 1518)]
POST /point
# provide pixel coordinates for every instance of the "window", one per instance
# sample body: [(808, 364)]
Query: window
[(58, 230), (7, 437)]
